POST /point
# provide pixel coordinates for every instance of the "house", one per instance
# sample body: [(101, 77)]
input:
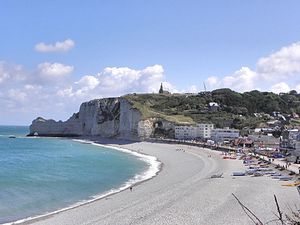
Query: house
[(243, 142), (225, 134), (257, 130), (290, 144), (213, 106)]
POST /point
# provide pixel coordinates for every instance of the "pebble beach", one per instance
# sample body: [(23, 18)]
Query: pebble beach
[(184, 193)]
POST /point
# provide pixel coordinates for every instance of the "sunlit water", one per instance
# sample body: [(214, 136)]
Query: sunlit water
[(40, 175)]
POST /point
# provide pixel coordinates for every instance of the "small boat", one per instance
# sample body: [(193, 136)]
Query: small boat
[(251, 171), (11, 136), (258, 174), (276, 174), (217, 175), (229, 157), (238, 174), (270, 172), (265, 169), (285, 178), (291, 184)]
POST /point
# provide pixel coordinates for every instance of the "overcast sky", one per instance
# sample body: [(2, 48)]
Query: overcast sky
[(56, 54)]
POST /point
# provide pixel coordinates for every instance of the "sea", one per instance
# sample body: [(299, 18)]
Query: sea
[(41, 176)]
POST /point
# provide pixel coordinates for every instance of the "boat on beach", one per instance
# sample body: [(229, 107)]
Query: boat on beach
[(285, 178), (297, 183), (238, 174)]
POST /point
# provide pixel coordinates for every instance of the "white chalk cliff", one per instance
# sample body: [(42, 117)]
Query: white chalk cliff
[(108, 117)]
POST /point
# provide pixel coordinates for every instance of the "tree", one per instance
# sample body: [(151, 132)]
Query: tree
[(293, 92)]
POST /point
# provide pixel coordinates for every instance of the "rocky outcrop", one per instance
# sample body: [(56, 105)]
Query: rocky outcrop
[(108, 117)]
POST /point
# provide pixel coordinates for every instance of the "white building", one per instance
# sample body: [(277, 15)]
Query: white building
[(192, 132), (290, 142), (185, 132), (204, 130), (224, 134)]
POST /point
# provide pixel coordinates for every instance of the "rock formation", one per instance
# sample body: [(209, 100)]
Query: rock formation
[(108, 117)]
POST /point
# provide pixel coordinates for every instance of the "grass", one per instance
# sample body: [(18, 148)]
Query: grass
[(144, 106), (182, 109)]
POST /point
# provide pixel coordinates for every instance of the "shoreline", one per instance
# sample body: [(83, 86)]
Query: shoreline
[(182, 193), (155, 167)]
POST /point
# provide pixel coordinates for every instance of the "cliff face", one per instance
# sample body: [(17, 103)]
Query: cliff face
[(108, 117)]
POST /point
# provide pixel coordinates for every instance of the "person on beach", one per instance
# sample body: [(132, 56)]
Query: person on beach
[(130, 188)]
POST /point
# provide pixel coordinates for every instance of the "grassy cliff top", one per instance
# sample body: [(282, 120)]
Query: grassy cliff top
[(236, 109), (154, 105)]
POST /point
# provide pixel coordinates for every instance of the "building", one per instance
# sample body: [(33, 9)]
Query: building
[(162, 91), (243, 142), (288, 139), (197, 131), (213, 106), (226, 134), (264, 141), (290, 144), (204, 130), (185, 132)]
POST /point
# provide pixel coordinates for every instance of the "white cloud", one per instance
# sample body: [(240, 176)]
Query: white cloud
[(193, 89), (53, 71), (212, 81), (9, 72), (281, 64), (280, 87), (124, 79), (35, 93), (66, 92), (17, 95), (29, 92), (115, 81), (276, 72), (3, 74), (241, 80), (89, 82), (63, 46)]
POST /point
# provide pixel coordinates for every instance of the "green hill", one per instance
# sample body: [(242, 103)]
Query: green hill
[(236, 109)]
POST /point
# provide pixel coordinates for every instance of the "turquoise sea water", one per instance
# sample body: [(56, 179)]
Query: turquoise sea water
[(40, 175)]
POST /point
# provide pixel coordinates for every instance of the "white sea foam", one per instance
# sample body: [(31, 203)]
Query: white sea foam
[(154, 168)]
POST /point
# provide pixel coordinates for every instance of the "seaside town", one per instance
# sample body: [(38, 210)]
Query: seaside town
[(274, 144), (226, 134), (150, 112)]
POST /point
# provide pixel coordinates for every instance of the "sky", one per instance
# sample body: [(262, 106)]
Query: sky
[(56, 54)]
